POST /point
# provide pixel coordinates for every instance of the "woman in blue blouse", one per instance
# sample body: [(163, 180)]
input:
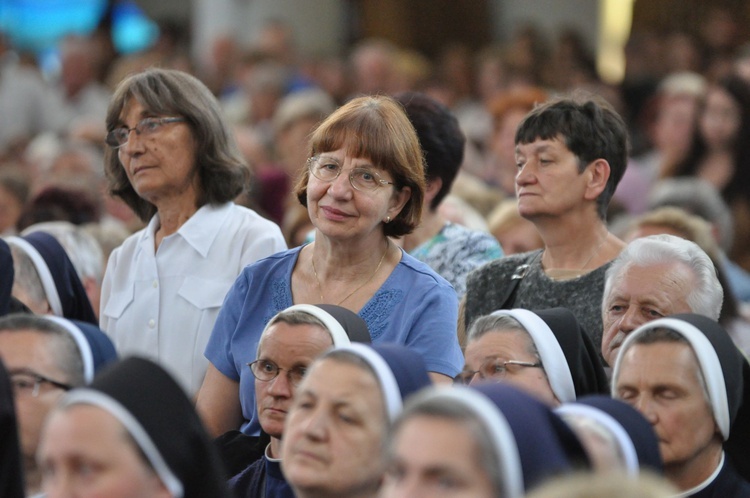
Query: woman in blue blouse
[(364, 183)]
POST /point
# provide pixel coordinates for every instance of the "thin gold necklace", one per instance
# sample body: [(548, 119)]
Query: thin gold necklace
[(593, 254), (320, 288)]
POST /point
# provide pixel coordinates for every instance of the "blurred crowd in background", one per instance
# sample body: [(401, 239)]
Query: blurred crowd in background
[(685, 99)]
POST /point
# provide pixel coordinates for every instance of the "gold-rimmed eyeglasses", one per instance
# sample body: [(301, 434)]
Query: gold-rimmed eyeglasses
[(327, 169)]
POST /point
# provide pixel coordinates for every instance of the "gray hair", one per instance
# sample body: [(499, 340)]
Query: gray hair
[(313, 103), (66, 355), (297, 317), (705, 297), (81, 247), (26, 276), (291, 317), (499, 323), (447, 408)]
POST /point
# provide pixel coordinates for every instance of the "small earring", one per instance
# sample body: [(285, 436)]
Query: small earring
[(387, 219)]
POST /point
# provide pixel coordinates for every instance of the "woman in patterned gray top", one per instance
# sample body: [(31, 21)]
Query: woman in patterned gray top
[(571, 153)]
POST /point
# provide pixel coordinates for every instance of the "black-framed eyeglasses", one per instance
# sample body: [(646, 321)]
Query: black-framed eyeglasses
[(145, 127), (495, 368), (30, 383), (327, 169), (267, 370)]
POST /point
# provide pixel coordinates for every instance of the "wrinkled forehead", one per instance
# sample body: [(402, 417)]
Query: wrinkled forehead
[(290, 340), (149, 105), (670, 279), (31, 349), (502, 339)]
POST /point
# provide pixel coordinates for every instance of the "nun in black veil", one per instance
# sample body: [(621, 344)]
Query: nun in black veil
[(546, 352), (62, 288), (8, 303), (6, 277), (723, 379), (165, 452)]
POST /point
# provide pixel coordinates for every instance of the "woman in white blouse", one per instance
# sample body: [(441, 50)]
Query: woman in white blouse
[(173, 160)]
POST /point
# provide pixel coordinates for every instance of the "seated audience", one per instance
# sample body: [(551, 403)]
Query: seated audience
[(686, 376), (45, 357), (485, 441), (546, 353), (133, 433), (333, 438)]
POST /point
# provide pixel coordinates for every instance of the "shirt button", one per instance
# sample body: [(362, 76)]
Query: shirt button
[(152, 323), (155, 284)]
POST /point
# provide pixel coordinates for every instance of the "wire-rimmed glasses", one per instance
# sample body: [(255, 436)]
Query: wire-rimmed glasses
[(495, 368), (27, 382), (145, 127), (267, 370), (327, 169)]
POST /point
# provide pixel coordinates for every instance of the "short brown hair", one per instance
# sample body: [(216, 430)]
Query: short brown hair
[(221, 170), (376, 128)]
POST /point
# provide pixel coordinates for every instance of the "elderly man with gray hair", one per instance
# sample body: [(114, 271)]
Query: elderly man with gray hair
[(654, 277)]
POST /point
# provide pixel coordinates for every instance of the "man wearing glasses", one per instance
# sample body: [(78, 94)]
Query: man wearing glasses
[(44, 360)]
